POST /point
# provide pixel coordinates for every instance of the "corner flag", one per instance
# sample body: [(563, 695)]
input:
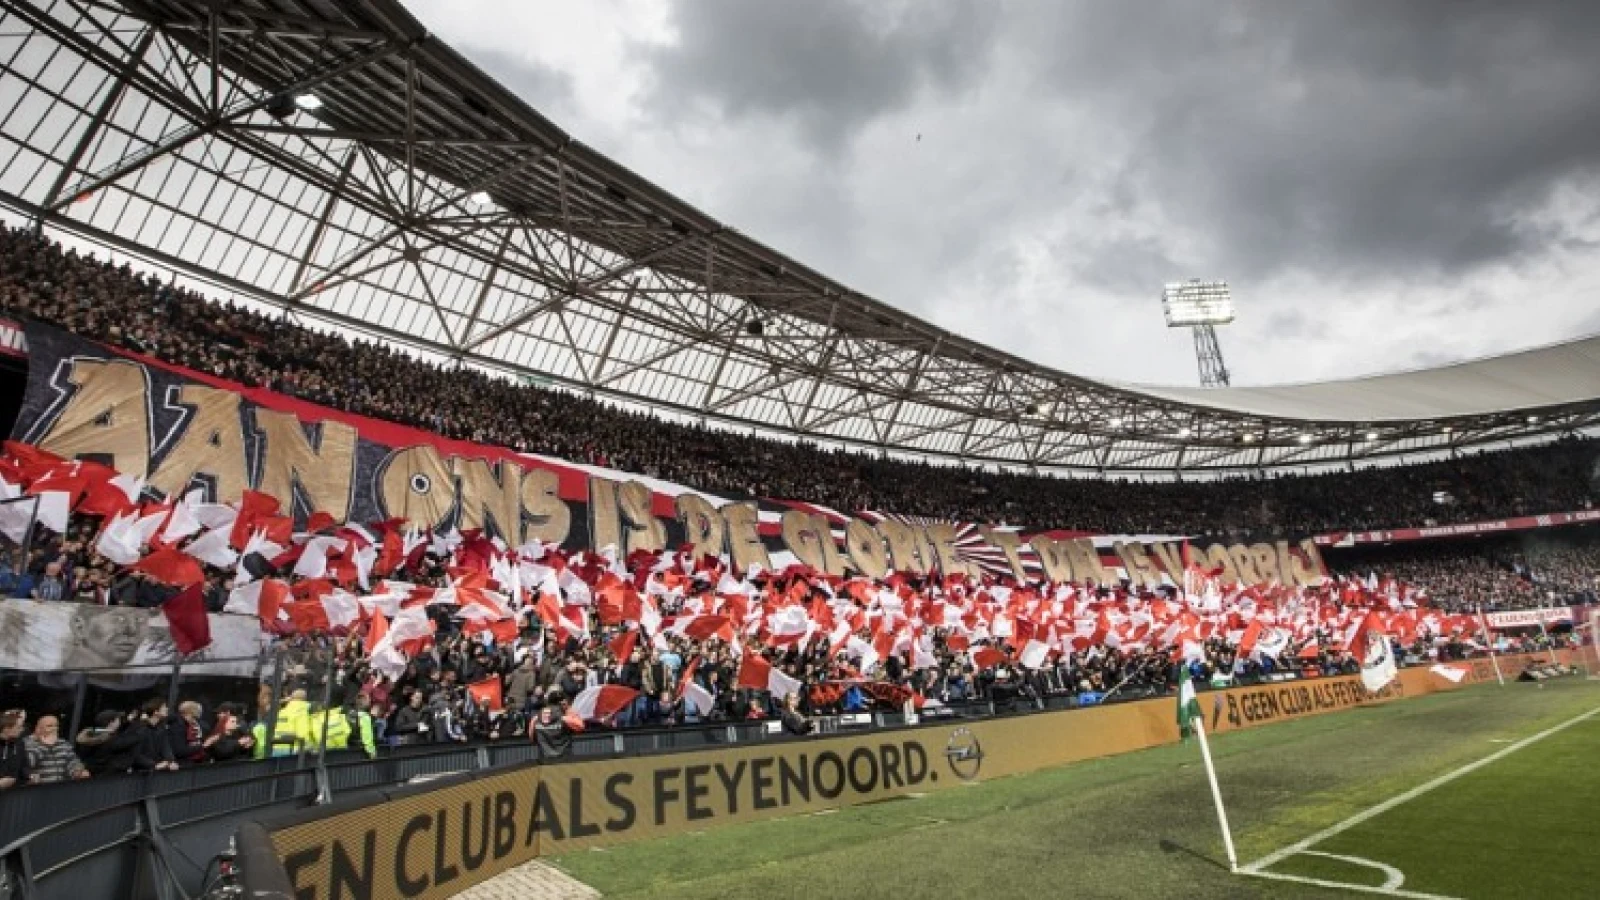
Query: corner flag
[(1192, 721), (1188, 704)]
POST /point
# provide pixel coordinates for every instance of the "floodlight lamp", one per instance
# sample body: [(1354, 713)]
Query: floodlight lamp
[(1196, 303), (1304, 439), (1184, 433), (308, 102), (1116, 423), (1249, 437), (1372, 436), (1533, 420)]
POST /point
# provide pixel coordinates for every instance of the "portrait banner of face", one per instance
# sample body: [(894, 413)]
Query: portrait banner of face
[(57, 637)]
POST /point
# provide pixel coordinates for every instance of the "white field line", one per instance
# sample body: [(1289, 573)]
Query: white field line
[(1340, 885), (1392, 877), (1278, 856)]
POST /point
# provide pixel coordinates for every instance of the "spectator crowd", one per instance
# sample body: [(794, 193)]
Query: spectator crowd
[(40, 279), (469, 683)]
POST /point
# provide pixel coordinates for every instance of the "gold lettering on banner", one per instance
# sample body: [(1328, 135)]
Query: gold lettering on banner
[(417, 486), (1141, 570), (1285, 557), (809, 537), (489, 500), (865, 546), (1244, 564), (1006, 542), (1086, 563), (1309, 571), (212, 445), (605, 526), (643, 530), (942, 544), (1053, 558), (1266, 560), (548, 518), (907, 546), (706, 531), (744, 542), (1171, 558), (107, 415), (324, 472), (832, 560), (1217, 556)]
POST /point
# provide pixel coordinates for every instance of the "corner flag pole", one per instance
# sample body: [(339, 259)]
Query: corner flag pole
[(1216, 793), (1488, 636), (1190, 718)]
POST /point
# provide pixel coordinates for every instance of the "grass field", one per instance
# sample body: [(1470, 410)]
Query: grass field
[(1142, 825)]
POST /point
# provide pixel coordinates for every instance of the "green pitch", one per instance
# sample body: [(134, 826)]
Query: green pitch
[(1142, 825)]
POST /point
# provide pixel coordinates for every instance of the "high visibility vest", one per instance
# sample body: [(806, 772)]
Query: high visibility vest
[(364, 729), (338, 729), (293, 727)]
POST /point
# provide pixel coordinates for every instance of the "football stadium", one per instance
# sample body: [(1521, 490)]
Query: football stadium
[(401, 498)]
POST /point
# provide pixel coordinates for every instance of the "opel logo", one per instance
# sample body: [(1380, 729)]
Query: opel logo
[(964, 754)]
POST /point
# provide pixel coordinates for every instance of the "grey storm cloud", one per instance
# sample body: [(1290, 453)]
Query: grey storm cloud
[(1368, 138), (832, 65), (1026, 171)]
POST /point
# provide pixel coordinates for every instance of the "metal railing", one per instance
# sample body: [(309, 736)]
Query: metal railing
[(152, 836)]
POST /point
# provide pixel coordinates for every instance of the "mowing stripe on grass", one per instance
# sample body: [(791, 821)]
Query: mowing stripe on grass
[(1278, 856)]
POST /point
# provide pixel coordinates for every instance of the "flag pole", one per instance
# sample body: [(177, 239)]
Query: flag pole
[(1216, 793), (1488, 637)]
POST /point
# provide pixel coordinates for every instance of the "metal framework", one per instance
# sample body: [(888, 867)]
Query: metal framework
[(166, 129), (1208, 353)]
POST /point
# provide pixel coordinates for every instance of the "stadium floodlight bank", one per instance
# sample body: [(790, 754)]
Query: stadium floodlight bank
[(1201, 306), (1194, 302)]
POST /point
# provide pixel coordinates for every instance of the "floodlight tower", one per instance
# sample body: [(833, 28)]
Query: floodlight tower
[(1200, 306)]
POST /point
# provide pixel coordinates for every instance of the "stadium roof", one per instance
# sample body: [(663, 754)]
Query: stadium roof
[(334, 161), (1561, 375)]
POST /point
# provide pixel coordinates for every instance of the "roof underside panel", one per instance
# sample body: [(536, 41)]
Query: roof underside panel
[(1559, 375), (425, 205)]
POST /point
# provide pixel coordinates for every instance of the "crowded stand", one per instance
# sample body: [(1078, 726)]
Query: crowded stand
[(384, 635), (1495, 575), (114, 304), (420, 639)]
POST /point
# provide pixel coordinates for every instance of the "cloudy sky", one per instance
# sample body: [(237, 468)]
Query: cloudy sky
[(1386, 185)]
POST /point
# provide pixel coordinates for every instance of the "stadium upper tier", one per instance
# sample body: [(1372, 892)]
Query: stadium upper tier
[(336, 162)]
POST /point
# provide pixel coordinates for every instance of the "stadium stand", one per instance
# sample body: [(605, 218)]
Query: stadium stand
[(40, 279)]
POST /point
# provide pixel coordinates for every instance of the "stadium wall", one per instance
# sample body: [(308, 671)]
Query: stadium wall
[(435, 841)]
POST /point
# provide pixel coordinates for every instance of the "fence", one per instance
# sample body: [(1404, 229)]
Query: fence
[(155, 834)]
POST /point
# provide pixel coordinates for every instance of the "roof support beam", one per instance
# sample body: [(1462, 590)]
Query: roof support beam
[(139, 159), (488, 282), (611, 335), (91, 131), (315, 241), (583, 287)]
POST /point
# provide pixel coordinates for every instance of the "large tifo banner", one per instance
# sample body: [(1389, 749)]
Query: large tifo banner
[(183, 430), (117, 640)]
